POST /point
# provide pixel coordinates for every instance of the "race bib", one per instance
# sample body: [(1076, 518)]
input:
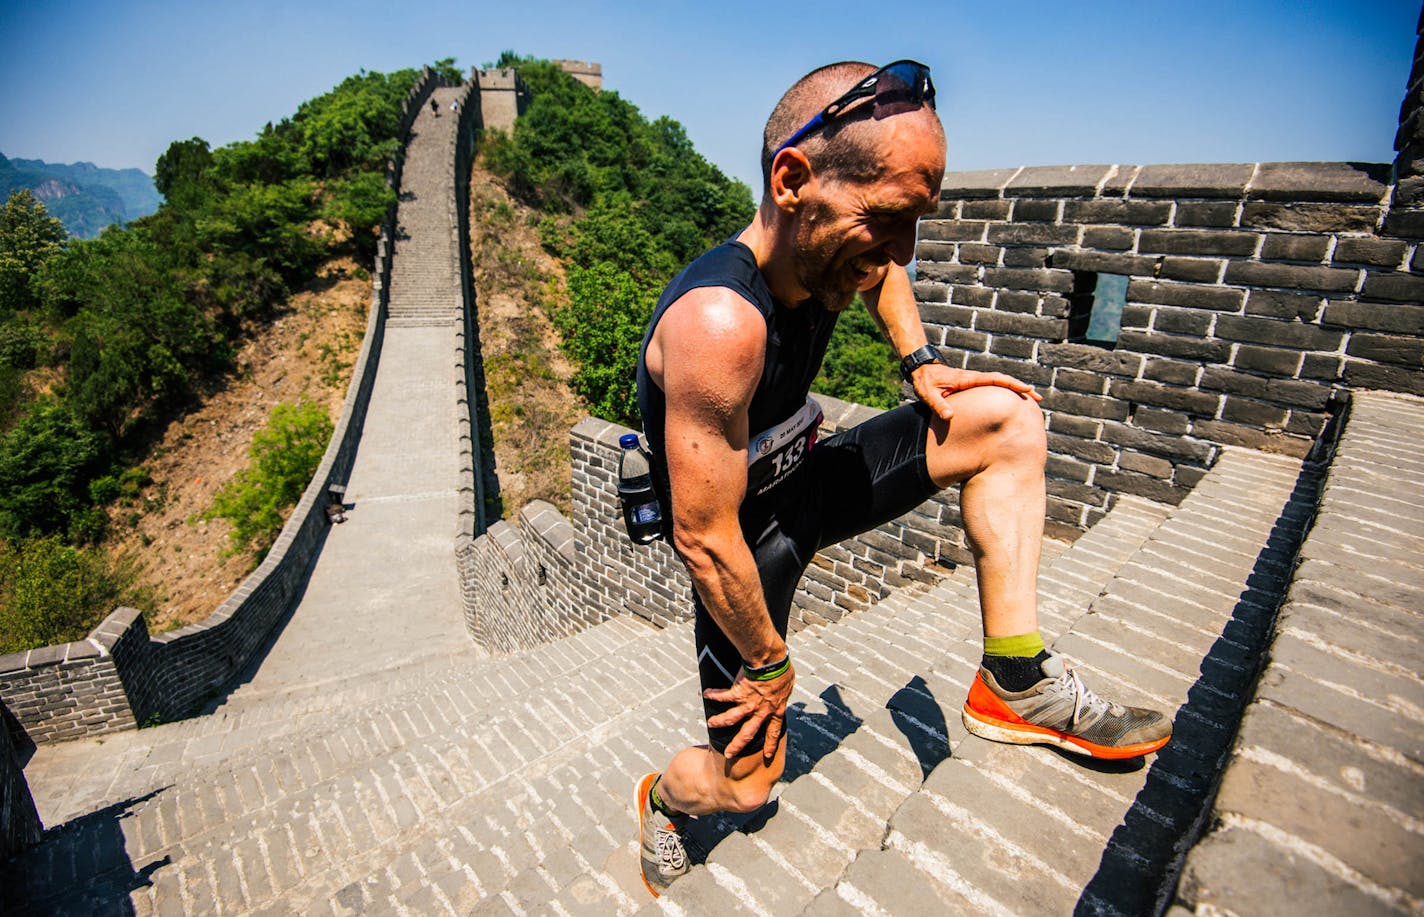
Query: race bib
[(773, 454)]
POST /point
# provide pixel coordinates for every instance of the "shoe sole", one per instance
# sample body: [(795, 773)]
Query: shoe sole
[(640, 798), (1026, 734)]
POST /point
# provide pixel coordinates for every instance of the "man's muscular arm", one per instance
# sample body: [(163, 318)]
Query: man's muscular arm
[(891, 302), (708, 351)]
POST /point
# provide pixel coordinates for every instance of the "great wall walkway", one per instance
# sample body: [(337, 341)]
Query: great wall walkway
[(383, 592), (440, 781)]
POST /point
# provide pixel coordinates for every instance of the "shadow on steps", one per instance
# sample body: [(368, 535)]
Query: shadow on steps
[(813, 736), (1143, 858), (83, 867)]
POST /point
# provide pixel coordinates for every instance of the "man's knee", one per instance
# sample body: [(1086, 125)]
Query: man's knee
[(1006, 418)]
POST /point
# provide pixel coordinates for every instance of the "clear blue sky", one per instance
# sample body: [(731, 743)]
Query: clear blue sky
[(1020, 83)]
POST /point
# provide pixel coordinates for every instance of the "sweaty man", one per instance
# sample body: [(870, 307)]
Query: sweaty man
[(852, 157)]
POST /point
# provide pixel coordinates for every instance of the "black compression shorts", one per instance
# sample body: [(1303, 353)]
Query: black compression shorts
[(850, 483)]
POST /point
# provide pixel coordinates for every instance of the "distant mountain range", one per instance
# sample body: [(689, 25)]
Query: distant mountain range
[(84, 197)]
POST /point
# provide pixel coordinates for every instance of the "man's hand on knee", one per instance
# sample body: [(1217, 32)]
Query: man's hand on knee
[(757, 702), (935, 382)]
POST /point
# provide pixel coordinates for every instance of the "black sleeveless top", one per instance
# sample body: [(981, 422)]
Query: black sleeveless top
[(796, 342)]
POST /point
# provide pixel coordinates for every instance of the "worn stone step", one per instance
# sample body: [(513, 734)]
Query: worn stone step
[(237, 799), (974, 829), (889, 682), (252, 730)]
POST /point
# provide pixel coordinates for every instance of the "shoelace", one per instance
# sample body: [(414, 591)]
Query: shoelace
[(671, 856), (1083, 696)]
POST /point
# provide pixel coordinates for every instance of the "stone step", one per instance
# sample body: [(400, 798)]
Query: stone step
[(389, 768), (971, 840), (890, 682)]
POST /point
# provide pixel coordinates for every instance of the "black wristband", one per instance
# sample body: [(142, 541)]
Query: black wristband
[(917, 358), (768, 672)]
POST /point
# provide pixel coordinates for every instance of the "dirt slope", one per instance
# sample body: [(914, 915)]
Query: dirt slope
[(308, 349)]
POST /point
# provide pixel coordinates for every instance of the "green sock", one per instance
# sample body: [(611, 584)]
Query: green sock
[(1029, 644), (657, 800)]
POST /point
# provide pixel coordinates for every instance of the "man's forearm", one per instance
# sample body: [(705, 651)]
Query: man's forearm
[(892, 305), (726, 579)]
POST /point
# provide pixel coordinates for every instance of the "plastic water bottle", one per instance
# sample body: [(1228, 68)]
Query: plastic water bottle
[(641, 514)]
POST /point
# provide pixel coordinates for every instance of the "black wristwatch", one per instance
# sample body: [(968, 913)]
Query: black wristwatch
[(917, 358)]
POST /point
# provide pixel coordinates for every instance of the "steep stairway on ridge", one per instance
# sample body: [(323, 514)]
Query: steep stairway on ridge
[(501, 787), (999, 829), (424, 285)]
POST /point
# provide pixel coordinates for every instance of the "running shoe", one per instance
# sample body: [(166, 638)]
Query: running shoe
[(663, 855), (1060, 710)]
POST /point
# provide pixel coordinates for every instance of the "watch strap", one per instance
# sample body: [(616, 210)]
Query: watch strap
[(917, 358)]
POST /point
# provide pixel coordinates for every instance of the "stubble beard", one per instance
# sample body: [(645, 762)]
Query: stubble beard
[(815, 266)]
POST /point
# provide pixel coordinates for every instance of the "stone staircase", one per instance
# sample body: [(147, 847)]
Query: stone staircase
[(424, 285), (468, 785)]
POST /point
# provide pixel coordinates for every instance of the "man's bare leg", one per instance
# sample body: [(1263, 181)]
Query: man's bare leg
[(700, 781), (996, 447)]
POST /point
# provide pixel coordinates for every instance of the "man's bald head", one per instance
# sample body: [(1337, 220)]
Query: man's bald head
[(848, 146)]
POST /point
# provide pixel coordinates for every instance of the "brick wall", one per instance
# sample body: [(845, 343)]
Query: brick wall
[(1257, 296), (119, 676), (19, 821)]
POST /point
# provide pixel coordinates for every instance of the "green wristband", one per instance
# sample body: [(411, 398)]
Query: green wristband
[(768, 672)]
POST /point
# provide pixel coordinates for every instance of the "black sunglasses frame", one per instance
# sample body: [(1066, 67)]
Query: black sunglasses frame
[(919, 86)]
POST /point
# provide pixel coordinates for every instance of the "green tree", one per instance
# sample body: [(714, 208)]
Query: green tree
[(359, 203), (46, 463), (29, 237), (284, 456), (602, 328), (646, 203), (138, 340), (52, 592), (183, 174), (860, 365)]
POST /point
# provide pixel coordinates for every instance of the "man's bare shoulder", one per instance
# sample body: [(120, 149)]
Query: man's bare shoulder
[(706, 328)]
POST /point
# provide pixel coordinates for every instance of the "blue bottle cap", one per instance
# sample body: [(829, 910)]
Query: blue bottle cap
[(628, 441)]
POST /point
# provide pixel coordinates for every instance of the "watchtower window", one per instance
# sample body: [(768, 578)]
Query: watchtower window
[(1095, 307)]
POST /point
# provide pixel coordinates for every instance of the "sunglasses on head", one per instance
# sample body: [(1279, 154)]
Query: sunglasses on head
[(899, 87)]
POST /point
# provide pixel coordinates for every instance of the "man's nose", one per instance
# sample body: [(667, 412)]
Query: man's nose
[(901, 246)]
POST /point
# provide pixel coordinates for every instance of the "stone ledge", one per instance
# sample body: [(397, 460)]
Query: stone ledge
[(1338, 182)]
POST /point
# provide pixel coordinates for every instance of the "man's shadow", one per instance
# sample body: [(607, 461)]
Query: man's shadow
[(813, 736), (80, 867)]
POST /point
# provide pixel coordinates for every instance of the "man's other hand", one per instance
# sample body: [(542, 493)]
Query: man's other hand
[(935, 382), (757, 702)]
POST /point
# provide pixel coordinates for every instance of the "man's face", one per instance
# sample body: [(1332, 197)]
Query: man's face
[(848, 231)]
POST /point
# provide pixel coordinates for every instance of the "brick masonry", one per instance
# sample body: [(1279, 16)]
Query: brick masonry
[(1258, 295), (550, 577), (120, 676), (19, 821)]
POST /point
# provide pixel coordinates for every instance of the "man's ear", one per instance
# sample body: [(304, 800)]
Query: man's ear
[(790, 173)]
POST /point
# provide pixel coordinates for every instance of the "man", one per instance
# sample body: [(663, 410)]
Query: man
[(852, 157)]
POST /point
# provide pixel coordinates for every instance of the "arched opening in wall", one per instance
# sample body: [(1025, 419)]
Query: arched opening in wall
[(1095, 307)]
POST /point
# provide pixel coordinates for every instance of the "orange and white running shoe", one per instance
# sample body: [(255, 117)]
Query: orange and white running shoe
[(660, 839), (1060, 710)]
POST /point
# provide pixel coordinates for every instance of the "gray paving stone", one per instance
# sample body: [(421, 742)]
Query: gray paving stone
[(1237, 871), (887, 879), (1354, 698)]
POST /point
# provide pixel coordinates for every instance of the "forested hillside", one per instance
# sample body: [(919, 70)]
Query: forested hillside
[(120, 355), (104, 342)]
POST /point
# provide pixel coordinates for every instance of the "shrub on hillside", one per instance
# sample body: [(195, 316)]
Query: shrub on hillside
[(52, 592), (646, 203), (284, 456)]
